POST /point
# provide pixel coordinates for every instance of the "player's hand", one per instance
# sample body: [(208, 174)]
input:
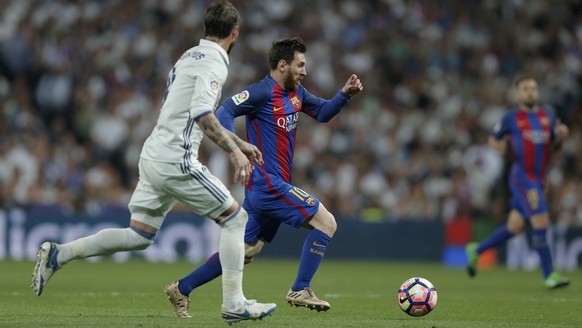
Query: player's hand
[(562, 130), (253, 153), (242, 166), (353, 86)]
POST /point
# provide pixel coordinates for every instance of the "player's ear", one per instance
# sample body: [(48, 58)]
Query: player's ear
[(235, 31), (282, 65)]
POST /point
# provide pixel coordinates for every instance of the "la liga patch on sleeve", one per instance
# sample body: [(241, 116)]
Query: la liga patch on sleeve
[(241, 97), (214, 86)]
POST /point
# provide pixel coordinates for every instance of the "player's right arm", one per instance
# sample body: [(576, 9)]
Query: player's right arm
[(250, 150), (219, 135), (498, 138), (498, 145)]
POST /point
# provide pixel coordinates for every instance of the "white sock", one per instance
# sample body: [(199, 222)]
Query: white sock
[(104, 242), (231, 251)]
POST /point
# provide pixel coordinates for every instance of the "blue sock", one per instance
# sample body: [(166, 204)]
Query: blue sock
[(541, 246), (208, 271), (498, 237), (313, 250)]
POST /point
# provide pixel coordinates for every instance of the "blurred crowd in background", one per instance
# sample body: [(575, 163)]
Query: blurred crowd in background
[(81, 85)]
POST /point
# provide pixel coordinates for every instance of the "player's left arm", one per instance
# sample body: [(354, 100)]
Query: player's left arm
[(324, 110), (561, 131)]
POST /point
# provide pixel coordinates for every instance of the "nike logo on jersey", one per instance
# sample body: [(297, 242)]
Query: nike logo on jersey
[(317, 245), (276, 109)]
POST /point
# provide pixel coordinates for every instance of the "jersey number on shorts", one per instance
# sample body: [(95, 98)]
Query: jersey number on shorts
[(171, 78), (533, 199), (299, 193), (302, 195)]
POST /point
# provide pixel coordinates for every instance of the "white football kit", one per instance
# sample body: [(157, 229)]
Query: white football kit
[(169, 169)]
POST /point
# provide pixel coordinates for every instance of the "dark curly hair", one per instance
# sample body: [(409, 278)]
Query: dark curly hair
[(285, 49)]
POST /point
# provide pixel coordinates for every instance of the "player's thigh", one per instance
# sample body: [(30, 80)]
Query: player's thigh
[(149, 204), (283, 202), (528, 198), (200, 191)]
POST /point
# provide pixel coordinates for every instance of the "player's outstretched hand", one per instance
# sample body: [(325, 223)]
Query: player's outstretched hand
[(253, 153), (242, 166), (353, 86), (561, 130)]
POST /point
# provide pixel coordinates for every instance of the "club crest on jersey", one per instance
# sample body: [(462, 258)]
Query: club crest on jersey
[(241, 97), (214, 86), (295, 102), (310, 201)]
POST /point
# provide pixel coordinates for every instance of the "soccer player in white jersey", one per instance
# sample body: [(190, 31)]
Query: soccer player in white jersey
[(170, 171)]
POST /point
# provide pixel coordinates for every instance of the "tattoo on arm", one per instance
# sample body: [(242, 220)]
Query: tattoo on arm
[(235, 138), (222, 137)]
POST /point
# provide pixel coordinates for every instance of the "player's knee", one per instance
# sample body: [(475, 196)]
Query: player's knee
[(329, 225), (515, 228), (138, 239), (237, 219), (515, 225)]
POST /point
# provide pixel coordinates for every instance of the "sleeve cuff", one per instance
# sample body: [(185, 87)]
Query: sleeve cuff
[(340, 92), (202, 115)]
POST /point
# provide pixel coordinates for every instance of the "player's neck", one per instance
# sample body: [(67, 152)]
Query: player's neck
[(223, 43), (529, 109), (275, 75)]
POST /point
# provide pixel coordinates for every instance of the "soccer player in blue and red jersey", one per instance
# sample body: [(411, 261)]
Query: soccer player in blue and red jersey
[(272, 109), (532, 131)]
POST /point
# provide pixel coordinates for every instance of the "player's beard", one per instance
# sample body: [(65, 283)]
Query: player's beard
[(290, 84), (529, 104), (230, 46)]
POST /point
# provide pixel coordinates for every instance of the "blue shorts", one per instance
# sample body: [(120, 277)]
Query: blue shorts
[(278, 203), (528, 196)]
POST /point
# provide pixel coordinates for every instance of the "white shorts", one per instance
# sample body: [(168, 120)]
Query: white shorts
[(162, 185)]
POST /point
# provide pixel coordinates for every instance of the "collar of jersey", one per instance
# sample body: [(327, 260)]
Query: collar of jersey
[(269, 77), (212, 44)]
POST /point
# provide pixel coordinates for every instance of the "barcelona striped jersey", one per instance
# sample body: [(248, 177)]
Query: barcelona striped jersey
[(531, 134), (272, 114)]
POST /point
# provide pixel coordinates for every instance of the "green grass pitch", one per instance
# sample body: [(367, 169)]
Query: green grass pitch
[(362, 294)]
